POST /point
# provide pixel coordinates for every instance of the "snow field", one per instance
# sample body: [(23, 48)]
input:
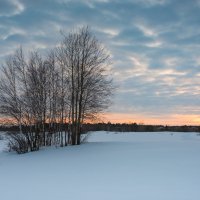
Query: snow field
[(110, 166)]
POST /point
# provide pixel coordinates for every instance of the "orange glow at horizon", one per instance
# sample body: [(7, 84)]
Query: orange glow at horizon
[(173, 119)]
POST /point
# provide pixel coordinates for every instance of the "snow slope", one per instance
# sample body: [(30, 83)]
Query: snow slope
[(123, 166)]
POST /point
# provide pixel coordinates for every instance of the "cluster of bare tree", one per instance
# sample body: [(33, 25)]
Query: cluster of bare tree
[(50, 98)]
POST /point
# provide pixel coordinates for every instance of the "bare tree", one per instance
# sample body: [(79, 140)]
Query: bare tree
[(50, 98), (10, 103), (23, 96), (85, 61)]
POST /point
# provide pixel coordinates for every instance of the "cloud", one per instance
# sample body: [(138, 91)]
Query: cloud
[(10, 8), (146, 30), (154, 44), (109, 31), (152, 2), (6, 33)]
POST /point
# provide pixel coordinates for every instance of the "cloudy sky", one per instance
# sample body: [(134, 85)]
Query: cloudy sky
[(154, 46)]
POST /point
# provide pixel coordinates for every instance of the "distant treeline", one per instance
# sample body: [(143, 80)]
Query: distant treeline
[(134, 127)]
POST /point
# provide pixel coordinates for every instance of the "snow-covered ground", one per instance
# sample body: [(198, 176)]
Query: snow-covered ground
[(123, 166)]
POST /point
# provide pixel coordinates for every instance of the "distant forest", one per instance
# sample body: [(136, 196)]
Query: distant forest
[(134, 127)]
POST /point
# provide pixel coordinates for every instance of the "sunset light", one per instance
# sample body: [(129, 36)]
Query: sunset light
[(172, 120)]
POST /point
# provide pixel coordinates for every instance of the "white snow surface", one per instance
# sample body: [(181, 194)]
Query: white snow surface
[(110, 166)]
